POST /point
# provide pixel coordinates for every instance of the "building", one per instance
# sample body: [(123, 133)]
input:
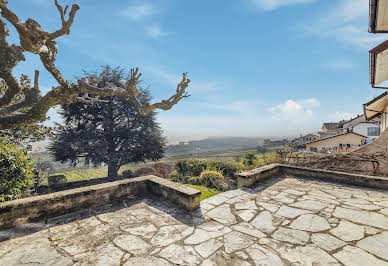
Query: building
[(377, 108), (331, 129), (378, 21), (304, 139), (343, 142), (360, 125)]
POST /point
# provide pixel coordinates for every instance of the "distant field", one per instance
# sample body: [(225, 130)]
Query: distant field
[(228, 154)]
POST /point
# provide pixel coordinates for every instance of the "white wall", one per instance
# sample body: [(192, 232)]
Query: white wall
[(362, 129)]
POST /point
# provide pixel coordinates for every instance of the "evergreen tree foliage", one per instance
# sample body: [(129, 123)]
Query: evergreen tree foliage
[(111, 132)]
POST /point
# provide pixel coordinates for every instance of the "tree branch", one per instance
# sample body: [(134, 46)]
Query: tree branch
[(10, 57), (65, 24), (167, 104), (34, 107), (31, 96)]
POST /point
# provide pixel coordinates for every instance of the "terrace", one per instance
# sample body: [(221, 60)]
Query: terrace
[(288, 215)]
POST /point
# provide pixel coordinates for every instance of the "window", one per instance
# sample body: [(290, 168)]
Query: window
[(373, 131), (348, 145)]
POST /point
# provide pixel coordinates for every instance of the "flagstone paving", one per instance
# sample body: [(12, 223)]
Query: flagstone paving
[(284, 221)]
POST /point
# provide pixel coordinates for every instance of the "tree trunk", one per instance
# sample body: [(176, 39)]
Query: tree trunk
[(113, 169)]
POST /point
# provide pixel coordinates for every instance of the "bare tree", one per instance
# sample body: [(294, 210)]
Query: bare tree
[(34, 106)]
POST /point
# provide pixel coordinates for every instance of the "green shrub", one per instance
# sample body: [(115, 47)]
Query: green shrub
[(181, 166), (145, 171), (175, 176), (16, 170), (127, 174), (195, 180), (228, 168), (250, 160), (210, 177), (190, 167), (56, 180), (196, 167)]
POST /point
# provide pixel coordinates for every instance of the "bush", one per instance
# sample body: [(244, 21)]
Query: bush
[(127, 174), (16, 170), (194, 167), (145, 171), (195, 180), (190, 167), (250, 160), (162, 169), (56, 180), (176, 177), (228, 168), (181, 166), (210, 177)]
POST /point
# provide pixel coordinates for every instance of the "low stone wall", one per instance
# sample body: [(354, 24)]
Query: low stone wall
[(340, 177), (40, 207), (249, 178)]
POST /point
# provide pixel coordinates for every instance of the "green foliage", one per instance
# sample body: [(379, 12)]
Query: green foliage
[(250, 160), (194, 167), (194, 180), (112, 132), (227, 168), (16, 170), (127, 174), (209, 178), (163, 169), (176, 177), (57, 180), (205, 192), (190, 167), (145, 171)]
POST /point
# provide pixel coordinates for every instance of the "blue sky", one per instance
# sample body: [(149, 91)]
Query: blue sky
[(258, 67)]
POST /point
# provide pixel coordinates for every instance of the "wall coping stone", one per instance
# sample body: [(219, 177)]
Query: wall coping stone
[(50, 205), (251, 177)]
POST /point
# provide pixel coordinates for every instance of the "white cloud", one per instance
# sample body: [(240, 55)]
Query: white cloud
[(156, 32), (309, 103), (139, 11), (294, 111), (339, 63), (269, 5), (347, 22)]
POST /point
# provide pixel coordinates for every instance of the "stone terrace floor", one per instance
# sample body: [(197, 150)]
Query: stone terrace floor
[(282, 222)]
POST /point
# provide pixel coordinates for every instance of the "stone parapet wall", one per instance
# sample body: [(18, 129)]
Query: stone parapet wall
[(340, 177), (40, 207), (250, 178)]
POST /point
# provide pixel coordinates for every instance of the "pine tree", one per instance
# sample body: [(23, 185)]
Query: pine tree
[(110, 131)]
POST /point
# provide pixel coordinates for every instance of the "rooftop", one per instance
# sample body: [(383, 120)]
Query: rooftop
[(279, 222)]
